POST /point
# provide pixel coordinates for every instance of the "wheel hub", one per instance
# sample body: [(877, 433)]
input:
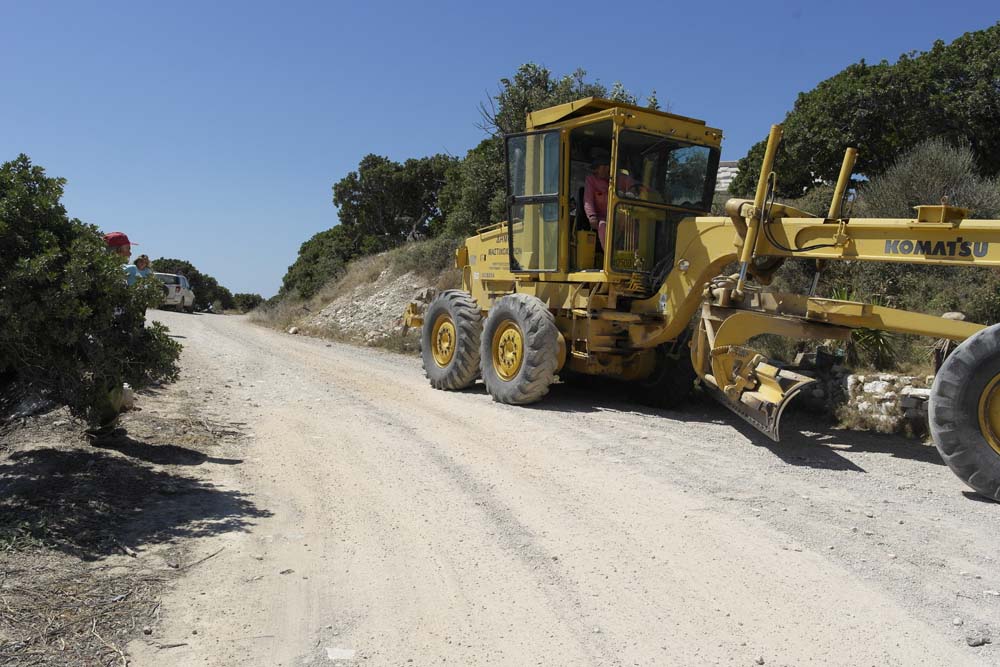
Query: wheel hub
[(508, 351), (989, 413), (443, 340)]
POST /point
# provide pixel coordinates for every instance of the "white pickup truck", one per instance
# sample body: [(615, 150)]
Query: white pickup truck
[(177, 292)]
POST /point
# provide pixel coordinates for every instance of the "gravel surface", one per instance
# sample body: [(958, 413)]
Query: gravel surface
[(404, 525)]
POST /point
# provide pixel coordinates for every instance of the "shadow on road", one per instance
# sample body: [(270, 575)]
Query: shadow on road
[(88, 503), (161, 454), (806, 439)]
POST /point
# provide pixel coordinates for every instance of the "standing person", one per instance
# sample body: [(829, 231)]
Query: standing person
[(108, 405), (138, 270)]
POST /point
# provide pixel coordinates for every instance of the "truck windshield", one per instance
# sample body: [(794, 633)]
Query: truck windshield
[(665, 171)]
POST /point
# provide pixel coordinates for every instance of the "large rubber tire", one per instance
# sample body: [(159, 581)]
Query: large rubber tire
[(672, 380), (522, 377), (451, 355), (966, 374)]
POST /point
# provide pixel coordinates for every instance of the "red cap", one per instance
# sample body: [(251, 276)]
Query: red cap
[(116, 239)]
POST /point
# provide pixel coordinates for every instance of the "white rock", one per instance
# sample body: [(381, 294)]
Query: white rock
[(293, 330), (876, 387), (128, 398), (918, 393)]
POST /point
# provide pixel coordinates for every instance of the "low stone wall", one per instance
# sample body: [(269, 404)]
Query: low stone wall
[(886, 403), (883, 402)]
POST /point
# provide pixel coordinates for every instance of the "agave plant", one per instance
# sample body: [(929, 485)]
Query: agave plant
[(872, 347)]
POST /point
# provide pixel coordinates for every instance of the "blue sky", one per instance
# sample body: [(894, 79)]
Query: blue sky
[(213, 132)]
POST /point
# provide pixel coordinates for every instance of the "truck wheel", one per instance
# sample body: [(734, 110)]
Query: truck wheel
[(673, 377), (449, 340), (520, 349), (965, 411)]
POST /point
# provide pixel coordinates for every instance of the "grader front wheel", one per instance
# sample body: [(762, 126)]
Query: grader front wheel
[(449, 340), (965, 411), (520, 349)]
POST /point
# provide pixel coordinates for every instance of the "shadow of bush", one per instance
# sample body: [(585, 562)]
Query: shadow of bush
[(88, 503)]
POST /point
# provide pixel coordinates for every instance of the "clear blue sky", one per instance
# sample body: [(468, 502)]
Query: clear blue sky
[(213, 131)]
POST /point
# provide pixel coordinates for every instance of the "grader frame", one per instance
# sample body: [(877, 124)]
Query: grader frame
[(539, 299)]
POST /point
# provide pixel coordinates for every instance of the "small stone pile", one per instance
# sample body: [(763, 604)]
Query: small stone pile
[(887, 403)]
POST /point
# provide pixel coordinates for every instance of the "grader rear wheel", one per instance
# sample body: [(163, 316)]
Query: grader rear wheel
[(965, 411), (520, 350), (449, 341)]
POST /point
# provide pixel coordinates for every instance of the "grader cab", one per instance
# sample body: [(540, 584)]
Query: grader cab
[(629, 283)]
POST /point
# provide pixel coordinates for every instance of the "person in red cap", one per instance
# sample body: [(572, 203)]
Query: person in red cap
[(119, 244)]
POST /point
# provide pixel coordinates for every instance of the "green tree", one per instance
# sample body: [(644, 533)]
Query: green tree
[(245, 302), (320, 258), (473, 194), (618, 93), (384, 202), (70, 327), (951, 91), (533, 87)]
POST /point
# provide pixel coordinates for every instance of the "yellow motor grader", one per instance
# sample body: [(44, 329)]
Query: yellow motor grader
[(646, 300)]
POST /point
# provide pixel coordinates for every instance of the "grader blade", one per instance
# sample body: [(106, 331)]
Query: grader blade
[(762, 407)]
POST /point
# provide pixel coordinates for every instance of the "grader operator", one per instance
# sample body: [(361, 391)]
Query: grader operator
[(648, 304)]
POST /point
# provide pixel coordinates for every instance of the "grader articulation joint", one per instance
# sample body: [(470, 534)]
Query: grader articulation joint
[(647, 302)]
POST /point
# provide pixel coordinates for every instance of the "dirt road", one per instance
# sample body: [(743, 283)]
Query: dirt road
[(411, 526)]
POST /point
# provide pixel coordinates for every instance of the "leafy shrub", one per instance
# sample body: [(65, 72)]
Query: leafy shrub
[(923, 175), (245, 302), (70, 327), (426, 258)]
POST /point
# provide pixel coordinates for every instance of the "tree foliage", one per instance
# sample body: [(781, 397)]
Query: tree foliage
[(951, 91), (245, 302), (207, 289), (932, 171), (531, 88), (384, 202), (69, 325)]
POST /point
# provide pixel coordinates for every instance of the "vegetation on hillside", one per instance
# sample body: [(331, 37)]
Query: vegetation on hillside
[(70, 327)]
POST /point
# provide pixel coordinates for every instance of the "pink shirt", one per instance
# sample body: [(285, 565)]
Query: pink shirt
[(595, 195), (595, 198)]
